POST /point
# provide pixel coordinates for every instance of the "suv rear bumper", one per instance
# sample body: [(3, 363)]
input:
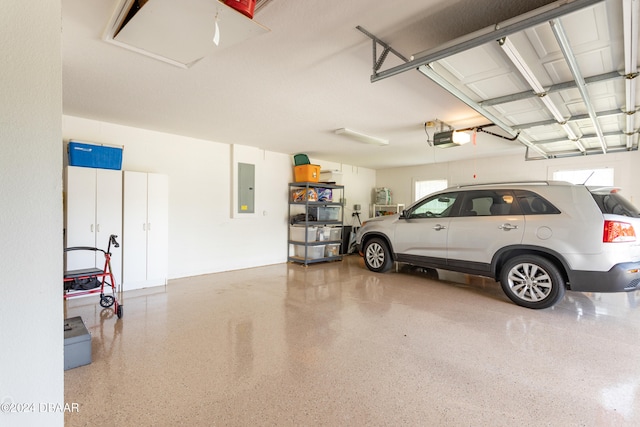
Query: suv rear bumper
[(623, 277)]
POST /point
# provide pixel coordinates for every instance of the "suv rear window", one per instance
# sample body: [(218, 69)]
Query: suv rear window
[(613, 203), (533, 204)]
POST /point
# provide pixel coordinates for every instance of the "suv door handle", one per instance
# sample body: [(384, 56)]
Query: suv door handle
[(439, 227), (507, 227)]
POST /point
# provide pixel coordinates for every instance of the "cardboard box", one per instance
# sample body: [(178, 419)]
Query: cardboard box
[(304, 195)]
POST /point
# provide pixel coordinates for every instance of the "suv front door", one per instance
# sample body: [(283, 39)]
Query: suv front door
[(487, 221), (421, 234)]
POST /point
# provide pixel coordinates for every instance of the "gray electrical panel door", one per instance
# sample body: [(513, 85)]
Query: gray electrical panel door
[(246, 185)]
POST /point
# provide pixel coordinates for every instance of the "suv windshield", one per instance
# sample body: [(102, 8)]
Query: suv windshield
[(614, 203)]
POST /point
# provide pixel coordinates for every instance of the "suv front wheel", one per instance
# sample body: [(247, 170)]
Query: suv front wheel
[(377, 256), (532, 281)]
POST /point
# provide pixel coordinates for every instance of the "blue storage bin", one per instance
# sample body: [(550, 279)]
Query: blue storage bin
[(94, 156)]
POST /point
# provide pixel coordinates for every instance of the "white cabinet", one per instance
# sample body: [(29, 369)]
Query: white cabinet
[(93, 212), (146, 225)]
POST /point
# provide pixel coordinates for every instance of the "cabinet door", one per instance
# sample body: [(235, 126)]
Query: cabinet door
[(80, 216), (157, 229), (109, 217), (134, 238)]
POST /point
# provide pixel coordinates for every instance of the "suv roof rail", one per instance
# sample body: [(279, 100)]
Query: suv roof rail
[(514, 183)]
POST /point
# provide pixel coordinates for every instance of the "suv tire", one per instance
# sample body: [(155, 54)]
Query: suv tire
[(532, 281), (377, 256)]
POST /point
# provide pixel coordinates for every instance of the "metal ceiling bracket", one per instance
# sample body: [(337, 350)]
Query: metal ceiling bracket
[(378, 61), (431, 74), (527, 158), (490, 34), (377, 64)]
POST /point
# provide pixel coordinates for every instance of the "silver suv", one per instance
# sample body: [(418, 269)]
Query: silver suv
[(536, 238)]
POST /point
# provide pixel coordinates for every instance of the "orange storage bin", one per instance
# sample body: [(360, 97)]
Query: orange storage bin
[(306, 173)]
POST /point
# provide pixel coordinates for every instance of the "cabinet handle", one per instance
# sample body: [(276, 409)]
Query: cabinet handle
[(148, 226), (144, 226), (98, 228), (92, 228)]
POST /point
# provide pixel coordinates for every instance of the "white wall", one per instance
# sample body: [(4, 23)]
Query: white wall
[(206, 235), (31, 315), (492, 169)]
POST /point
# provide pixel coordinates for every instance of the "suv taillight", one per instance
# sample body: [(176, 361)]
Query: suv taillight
[(616, 232)]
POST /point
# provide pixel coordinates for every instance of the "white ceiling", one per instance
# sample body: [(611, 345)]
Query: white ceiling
[(289, 89)]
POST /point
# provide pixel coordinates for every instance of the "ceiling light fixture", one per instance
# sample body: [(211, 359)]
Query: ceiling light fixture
[(361, 137), (460, 138)]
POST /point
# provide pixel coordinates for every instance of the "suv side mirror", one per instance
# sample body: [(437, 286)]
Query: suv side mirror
[(404, 214)]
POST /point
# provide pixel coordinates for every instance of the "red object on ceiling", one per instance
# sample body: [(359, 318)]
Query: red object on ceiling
[(246, 7)]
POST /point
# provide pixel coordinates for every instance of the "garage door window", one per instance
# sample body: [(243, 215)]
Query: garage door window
[(424, 188), (602, 177)]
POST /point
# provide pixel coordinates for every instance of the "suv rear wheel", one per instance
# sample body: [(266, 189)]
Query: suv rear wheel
[(532, 281), (377, 256)]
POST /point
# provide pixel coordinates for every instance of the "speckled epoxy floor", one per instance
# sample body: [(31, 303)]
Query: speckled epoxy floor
[(335, 345)]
